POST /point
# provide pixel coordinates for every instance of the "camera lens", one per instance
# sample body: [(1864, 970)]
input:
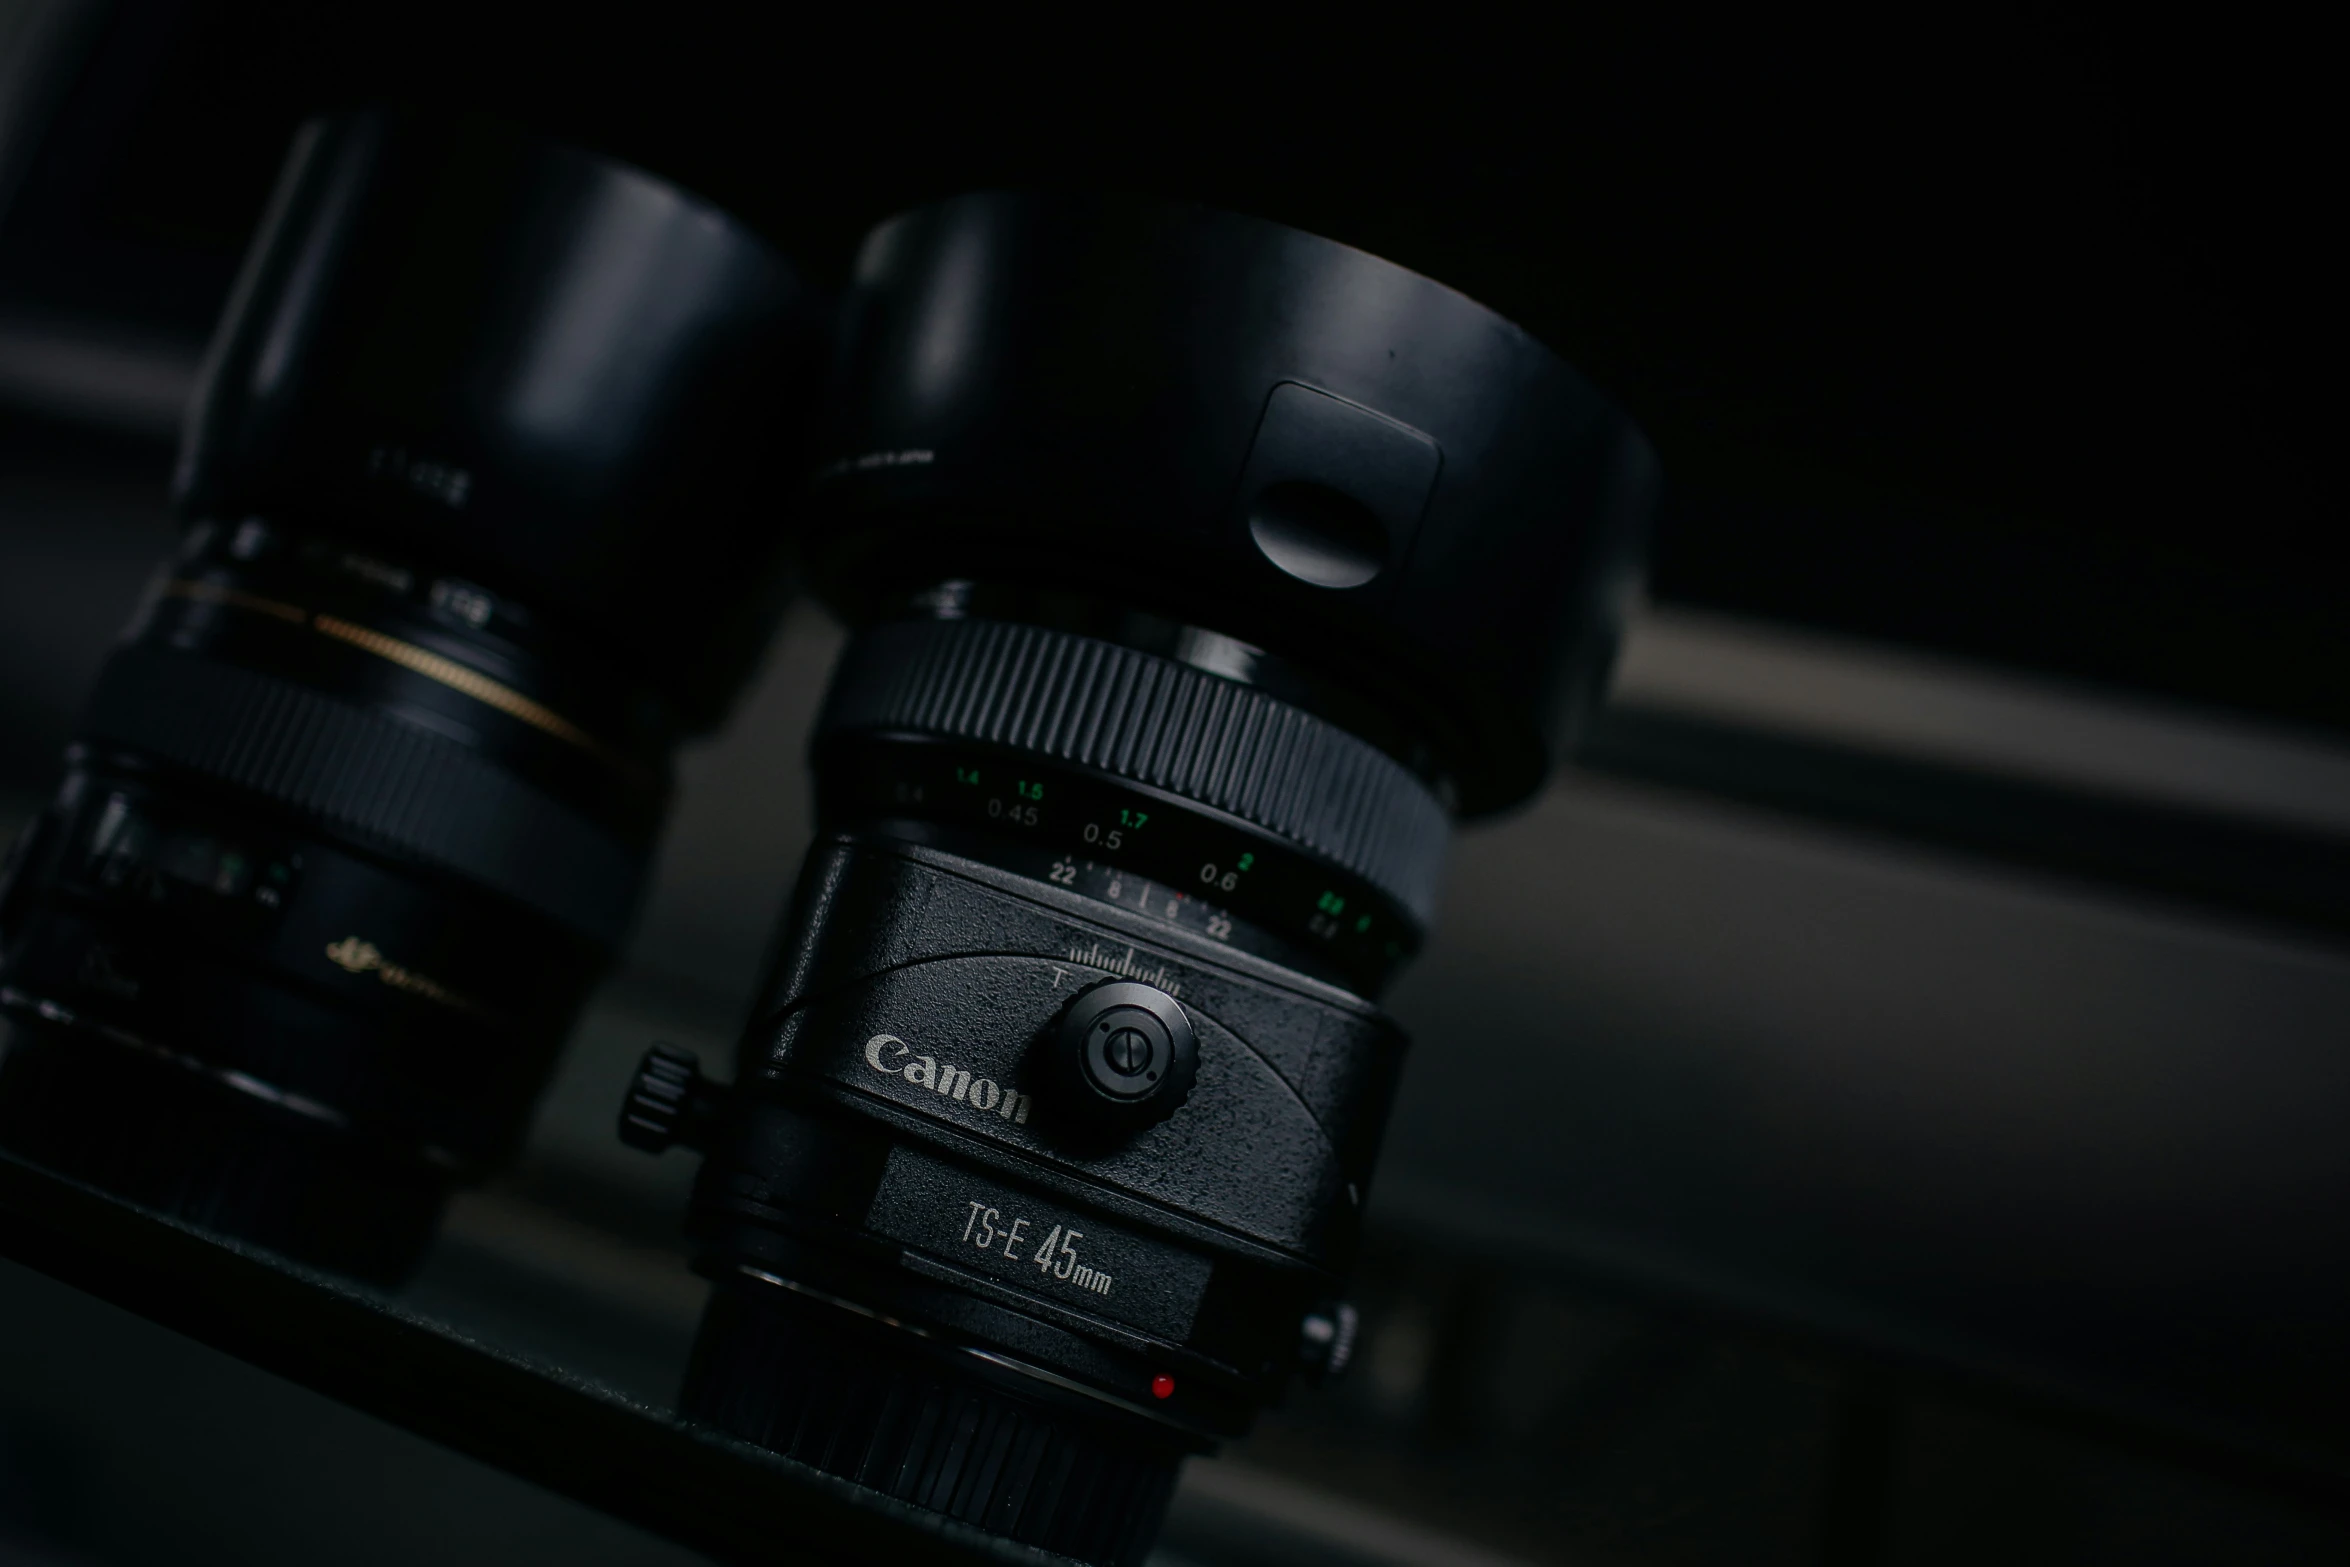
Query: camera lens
[(360, 807), (1201, 571)]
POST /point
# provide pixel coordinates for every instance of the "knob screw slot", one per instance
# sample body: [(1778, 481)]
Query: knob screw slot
[(1123, 1056)]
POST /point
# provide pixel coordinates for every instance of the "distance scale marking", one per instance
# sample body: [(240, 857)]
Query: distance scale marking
[(1172, 860), (121, 850)]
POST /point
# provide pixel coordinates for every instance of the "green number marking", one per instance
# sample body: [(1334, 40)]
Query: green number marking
[(1331, 903), (1029, 791), (966, 775), (1132, 818), (1246, 861), (1362, 924)]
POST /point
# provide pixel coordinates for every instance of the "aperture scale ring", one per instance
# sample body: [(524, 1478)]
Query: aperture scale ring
[(1146, 850), (1195, 736)]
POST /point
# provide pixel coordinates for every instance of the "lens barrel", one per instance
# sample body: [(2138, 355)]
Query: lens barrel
[(1200, 572), (361, 807), (538, 370)]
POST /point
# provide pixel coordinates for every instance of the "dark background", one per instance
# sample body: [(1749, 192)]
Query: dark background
[(2006, 335), (1885, 1109)]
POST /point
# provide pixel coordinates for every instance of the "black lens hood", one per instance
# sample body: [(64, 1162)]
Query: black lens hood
[(517, 361), (1249, 428)]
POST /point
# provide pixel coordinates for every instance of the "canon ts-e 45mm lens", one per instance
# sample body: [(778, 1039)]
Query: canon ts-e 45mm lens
[(1199, 571), (483, 516)]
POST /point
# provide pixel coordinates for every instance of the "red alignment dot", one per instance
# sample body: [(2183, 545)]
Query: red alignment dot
[(1162, 1386)]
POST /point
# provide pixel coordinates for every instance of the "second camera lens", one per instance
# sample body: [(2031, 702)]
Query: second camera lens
[(479, 527)]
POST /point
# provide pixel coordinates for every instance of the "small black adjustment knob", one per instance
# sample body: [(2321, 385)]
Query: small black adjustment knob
[(669, 1102), (1326, 1341), (18, 867), (1123, 1056)]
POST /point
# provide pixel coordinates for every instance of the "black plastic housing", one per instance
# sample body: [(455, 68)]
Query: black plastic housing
[(1246, 428)]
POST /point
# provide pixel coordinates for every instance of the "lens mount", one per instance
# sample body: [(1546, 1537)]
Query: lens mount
[(967, 1433), (212, 1147)]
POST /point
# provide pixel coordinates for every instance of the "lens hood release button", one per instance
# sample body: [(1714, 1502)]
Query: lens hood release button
[(1123, 1057)]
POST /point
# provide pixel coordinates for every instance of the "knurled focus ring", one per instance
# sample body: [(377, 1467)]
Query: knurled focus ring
[(1136, 716), (383, 782)]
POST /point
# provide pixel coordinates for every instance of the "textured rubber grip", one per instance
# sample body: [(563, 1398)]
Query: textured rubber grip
[(370, 776), (170, 1140), (909, 1424), (1153, 721)]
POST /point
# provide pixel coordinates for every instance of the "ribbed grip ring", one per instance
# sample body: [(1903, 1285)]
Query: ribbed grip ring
[(1074, 699), (169, 1140), (812, 1383), (371, 776)]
